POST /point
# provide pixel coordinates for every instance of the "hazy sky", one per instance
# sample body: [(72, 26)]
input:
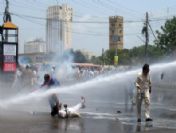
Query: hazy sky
[(91, 36)]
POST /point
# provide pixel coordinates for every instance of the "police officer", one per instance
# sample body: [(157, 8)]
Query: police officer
[(143, 85)]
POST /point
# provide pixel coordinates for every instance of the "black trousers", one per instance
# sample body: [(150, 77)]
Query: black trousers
[(54, 110)]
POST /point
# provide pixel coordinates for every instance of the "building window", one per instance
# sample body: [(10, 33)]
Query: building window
[(119, 39), (112, 24)]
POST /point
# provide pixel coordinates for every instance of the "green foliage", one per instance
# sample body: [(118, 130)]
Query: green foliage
[(166, 38), (79, 57), (108, 56), (129, 56), (96, 60)]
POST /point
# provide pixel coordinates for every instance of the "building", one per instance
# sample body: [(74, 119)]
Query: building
[(58, 28), (115, 32), (35, 46), (33, 58)]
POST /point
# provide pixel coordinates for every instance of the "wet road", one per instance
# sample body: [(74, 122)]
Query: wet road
[(21, 122)]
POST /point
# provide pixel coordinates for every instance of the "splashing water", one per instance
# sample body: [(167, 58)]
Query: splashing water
[(101, 85)]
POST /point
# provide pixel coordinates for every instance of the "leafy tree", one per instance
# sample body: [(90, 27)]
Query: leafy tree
[(153, 54), (166, 38), (109, 57), (96, 60), (79, 57), (123, 56)]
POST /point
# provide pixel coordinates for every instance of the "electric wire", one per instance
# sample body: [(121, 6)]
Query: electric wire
[(80, 33), (152, 31)]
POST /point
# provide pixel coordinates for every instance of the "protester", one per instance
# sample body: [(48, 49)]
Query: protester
[(69, 112), (48, 83), (26, 75), (143, 85)]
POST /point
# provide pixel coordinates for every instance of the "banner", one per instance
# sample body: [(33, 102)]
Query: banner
[(9, 49), (9, 67), (10, 58)]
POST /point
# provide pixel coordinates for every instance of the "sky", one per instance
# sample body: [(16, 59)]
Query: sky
[(91, 36)]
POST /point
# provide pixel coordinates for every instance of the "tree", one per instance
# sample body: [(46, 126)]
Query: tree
[(96, 60), (137, 54), (79, 57), (166, 38), (123, 56), (109, 57)]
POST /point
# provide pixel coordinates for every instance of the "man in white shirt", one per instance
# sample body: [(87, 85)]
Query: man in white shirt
[(69, 112), (143, 85)]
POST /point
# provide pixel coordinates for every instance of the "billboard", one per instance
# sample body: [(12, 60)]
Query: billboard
[(9, 58), (9, 67), (9, 49)]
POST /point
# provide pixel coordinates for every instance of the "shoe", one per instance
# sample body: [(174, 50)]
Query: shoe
[(138, 120), (148, 119)]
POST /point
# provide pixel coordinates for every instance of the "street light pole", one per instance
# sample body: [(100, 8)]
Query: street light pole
[(103, 57)]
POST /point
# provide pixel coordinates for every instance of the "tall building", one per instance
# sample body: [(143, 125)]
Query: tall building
[(58, 28), (115, 32), (35, 46)]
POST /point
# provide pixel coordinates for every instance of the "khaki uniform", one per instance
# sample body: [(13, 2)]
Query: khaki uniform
[(143, 84)]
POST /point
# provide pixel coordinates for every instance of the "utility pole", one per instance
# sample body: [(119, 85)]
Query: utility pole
[(146, 33), (7, 16), (146, 36), (103, 62)]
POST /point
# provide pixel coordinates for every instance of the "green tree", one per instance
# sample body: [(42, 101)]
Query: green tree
[(79, 57), (109, 57), (96, 60), (123, 56), (166, 38), (137, 54)]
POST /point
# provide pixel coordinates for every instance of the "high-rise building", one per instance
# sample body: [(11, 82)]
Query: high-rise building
[(58, 28), (35, 46), (115, 32)]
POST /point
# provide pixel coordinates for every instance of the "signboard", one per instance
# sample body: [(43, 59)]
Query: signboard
[(116, 59), (9, 49), (10, 58), (9, 67)]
